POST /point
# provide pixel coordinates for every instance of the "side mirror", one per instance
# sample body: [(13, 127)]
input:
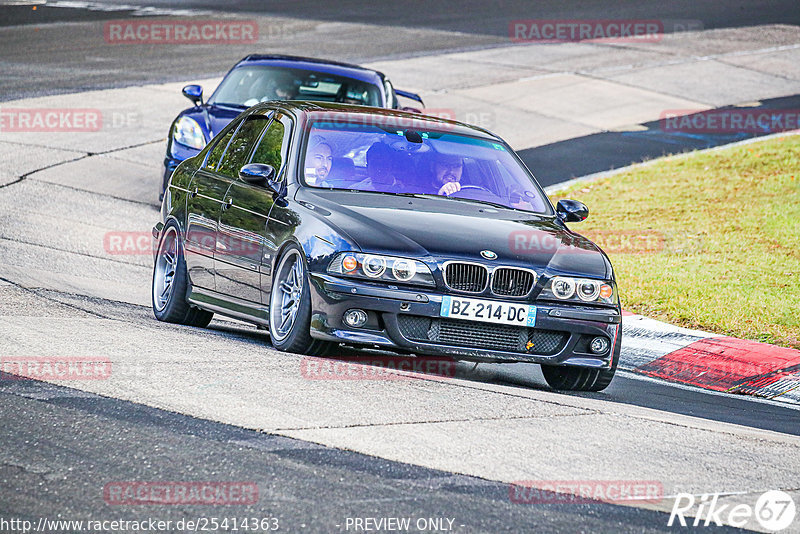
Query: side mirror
[(571, 210), (257, 174), (409, 95), (194, 93)]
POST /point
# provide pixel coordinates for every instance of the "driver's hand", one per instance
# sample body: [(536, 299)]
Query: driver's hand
[(449, 188)]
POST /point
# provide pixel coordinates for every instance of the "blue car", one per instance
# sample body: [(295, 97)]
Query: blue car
[(260, 78)]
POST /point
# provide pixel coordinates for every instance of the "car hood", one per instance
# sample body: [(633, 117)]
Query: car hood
[(443, 229), (212, 119)]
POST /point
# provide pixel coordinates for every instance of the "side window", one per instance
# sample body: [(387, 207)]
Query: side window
[(241, 145), (391, 98), (216, 153), (269, 147)]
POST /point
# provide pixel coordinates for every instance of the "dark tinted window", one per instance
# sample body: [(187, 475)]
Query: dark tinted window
[(248, 85), (389, 157), (219, 149), (269, 148), (241, 145)]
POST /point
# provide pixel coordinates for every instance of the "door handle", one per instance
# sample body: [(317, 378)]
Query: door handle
[(227, 204), (194, 192)]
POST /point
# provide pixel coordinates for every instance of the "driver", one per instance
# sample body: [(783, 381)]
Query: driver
[(447, 171), (280, 86)]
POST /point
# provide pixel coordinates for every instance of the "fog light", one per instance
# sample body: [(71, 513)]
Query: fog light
[(599, 345), (355, 318)]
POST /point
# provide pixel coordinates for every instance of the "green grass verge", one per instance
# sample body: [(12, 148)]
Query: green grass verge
[(708, 241)]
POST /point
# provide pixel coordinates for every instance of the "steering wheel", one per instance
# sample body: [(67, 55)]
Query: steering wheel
[(478, 187)]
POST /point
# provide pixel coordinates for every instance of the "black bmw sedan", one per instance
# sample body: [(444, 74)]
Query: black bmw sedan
[(332, 224)]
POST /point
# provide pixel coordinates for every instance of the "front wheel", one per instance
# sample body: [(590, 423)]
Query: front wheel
[(170, 282), (290, 307), (564, 377)]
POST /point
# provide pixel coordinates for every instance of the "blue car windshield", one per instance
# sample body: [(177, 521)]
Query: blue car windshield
[(247, 86), (426, 160)]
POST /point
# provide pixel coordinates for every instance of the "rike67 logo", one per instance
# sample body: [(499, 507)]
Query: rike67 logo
[(774, 510)]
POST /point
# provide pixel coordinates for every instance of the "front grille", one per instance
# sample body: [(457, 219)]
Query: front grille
[(481, 335), (511, 282), (466, 277)]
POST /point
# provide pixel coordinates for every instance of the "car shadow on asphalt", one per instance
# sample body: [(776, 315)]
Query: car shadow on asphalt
[(627, 388), (556, 162)]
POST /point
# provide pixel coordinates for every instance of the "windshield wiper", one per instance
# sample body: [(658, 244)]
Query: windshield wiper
[(432, 196), (228, 104), (414, 195), (493, 204)]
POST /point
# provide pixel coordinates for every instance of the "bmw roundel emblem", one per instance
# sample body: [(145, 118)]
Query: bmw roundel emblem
[(488, 254)]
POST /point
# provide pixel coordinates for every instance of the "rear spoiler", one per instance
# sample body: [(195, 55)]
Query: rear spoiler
[(408, 94)]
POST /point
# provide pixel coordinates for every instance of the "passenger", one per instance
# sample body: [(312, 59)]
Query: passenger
[(319, 159), (381, 174)]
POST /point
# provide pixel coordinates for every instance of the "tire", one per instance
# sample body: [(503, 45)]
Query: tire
[(170, 282), (567, 378), (290, 307)]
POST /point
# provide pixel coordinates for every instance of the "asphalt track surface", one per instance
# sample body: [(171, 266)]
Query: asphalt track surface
[(309, 487), (61, 445)]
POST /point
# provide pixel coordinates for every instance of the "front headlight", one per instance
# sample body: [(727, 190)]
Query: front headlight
[(187, 132), (383, 268), (581, 289)]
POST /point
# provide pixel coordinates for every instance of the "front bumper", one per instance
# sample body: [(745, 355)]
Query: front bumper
[(390, 310)]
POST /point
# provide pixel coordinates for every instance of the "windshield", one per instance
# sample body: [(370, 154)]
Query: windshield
[(424, 161), (247, 86)]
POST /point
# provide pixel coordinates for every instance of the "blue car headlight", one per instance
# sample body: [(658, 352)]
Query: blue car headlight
[(187, 132), (382, 268)]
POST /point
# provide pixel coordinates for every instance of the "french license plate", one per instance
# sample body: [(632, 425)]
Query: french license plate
[(488, 311)]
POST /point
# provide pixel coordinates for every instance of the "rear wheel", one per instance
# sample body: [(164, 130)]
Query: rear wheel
[(290, 307), (564, 377), (170, 282)]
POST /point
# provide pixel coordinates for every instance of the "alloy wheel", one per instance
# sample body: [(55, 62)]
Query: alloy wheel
[(166, 267)]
